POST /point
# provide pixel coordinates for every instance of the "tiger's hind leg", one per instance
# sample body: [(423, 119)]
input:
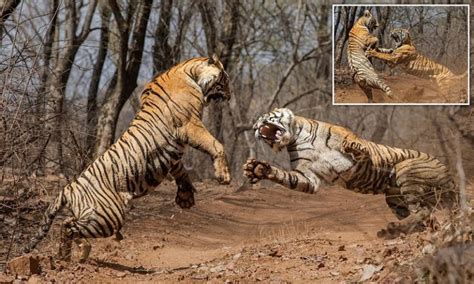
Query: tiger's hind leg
[(415, 194), (68, 235), (66, 238), (185, 194), (368, 93), (408, 210)]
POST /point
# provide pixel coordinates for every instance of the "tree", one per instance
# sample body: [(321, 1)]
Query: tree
[(128, 63), (58, 79)]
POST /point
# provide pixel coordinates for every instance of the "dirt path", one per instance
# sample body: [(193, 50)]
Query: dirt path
[(405, 88), (257, 234)]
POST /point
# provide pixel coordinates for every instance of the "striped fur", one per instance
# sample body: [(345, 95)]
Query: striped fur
[(360, 40), (169, 119), (413, 182), (406, 56)]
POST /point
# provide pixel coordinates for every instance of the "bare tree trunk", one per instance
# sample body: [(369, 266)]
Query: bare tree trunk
[(45, 78), (221, 45), (383, 14), (162, 50), (445, 40), (127, 72), (94, 83), (58, 82), (381, 126), (165, 53), (7, 8), (350, 17)]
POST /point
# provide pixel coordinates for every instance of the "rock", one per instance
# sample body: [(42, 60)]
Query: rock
[(47, 262), (216, 269), (230, 266), (24, 265), (237, 256), (428, 249), (121, 274), (368, 271), (334, 273), (158, 246), (275, 253), (341, 248), (7, 279), (35, 279), (200, 277)]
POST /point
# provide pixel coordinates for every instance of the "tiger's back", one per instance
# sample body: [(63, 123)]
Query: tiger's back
[(335, 157)]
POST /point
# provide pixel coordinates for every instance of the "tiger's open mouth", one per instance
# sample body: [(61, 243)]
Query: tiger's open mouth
[(397, 39), (270, 132)]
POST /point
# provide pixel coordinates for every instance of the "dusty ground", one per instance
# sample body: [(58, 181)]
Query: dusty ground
[(249, 234), (405, 88)]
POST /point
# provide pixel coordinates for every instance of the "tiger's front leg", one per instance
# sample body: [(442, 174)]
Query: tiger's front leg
[(298, 180), (391, 58), (185, 194), (371, 42), (198, 137)]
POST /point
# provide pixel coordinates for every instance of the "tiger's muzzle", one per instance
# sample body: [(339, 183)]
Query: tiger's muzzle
[(270, 132)]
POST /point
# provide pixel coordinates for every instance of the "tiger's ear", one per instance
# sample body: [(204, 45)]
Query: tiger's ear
[(213, 59)]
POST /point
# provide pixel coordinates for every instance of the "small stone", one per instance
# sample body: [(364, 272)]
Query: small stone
[(237, 256), (158, 246), (121, 274), (7, 279), (230, 266), (200, 277), (275, 253), (334, 273), (428, 249), (34, 279), (341, 248), (217, 269), (24, 265)]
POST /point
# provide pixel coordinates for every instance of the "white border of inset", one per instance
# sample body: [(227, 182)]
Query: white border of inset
[(407, 104)]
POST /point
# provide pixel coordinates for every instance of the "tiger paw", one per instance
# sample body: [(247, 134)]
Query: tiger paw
[(185, 195), (222, 171), (370, 52), (256, 170), (185, 199)]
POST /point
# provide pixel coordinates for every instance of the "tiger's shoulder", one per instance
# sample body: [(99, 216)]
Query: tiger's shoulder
[(333, 135)]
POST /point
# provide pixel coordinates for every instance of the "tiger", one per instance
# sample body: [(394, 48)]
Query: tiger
[(169, 119), (360, 40), (406, 56), (414, 183)]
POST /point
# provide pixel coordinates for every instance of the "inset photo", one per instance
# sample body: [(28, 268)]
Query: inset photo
[(401, 54)]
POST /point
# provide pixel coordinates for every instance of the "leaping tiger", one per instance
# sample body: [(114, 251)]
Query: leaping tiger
[(406, 56), (414, 183), (360, 40), (169, 119)]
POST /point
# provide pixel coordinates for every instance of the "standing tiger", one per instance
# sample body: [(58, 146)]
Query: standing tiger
[(169, 119), (414, 183), (406, 56), (360, 40)]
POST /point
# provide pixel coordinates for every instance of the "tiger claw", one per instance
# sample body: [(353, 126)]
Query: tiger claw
[(256, 170)]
